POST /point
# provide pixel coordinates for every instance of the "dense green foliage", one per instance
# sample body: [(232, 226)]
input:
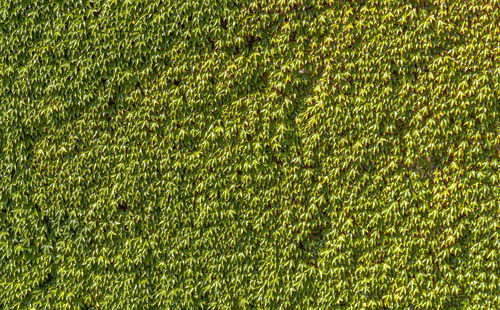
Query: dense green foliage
[(249, 154)]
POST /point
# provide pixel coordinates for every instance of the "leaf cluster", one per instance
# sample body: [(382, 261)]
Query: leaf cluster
[(183, 154)]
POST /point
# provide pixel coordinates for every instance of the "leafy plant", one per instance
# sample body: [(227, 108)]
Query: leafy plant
[(249, 154)]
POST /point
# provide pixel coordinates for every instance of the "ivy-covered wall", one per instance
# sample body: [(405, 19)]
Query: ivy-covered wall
[(184, 154)]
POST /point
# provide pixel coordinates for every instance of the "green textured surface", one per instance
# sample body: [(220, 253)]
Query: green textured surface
[(236, 154)]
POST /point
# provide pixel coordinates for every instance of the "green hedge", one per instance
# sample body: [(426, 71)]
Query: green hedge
[(184, 154)]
